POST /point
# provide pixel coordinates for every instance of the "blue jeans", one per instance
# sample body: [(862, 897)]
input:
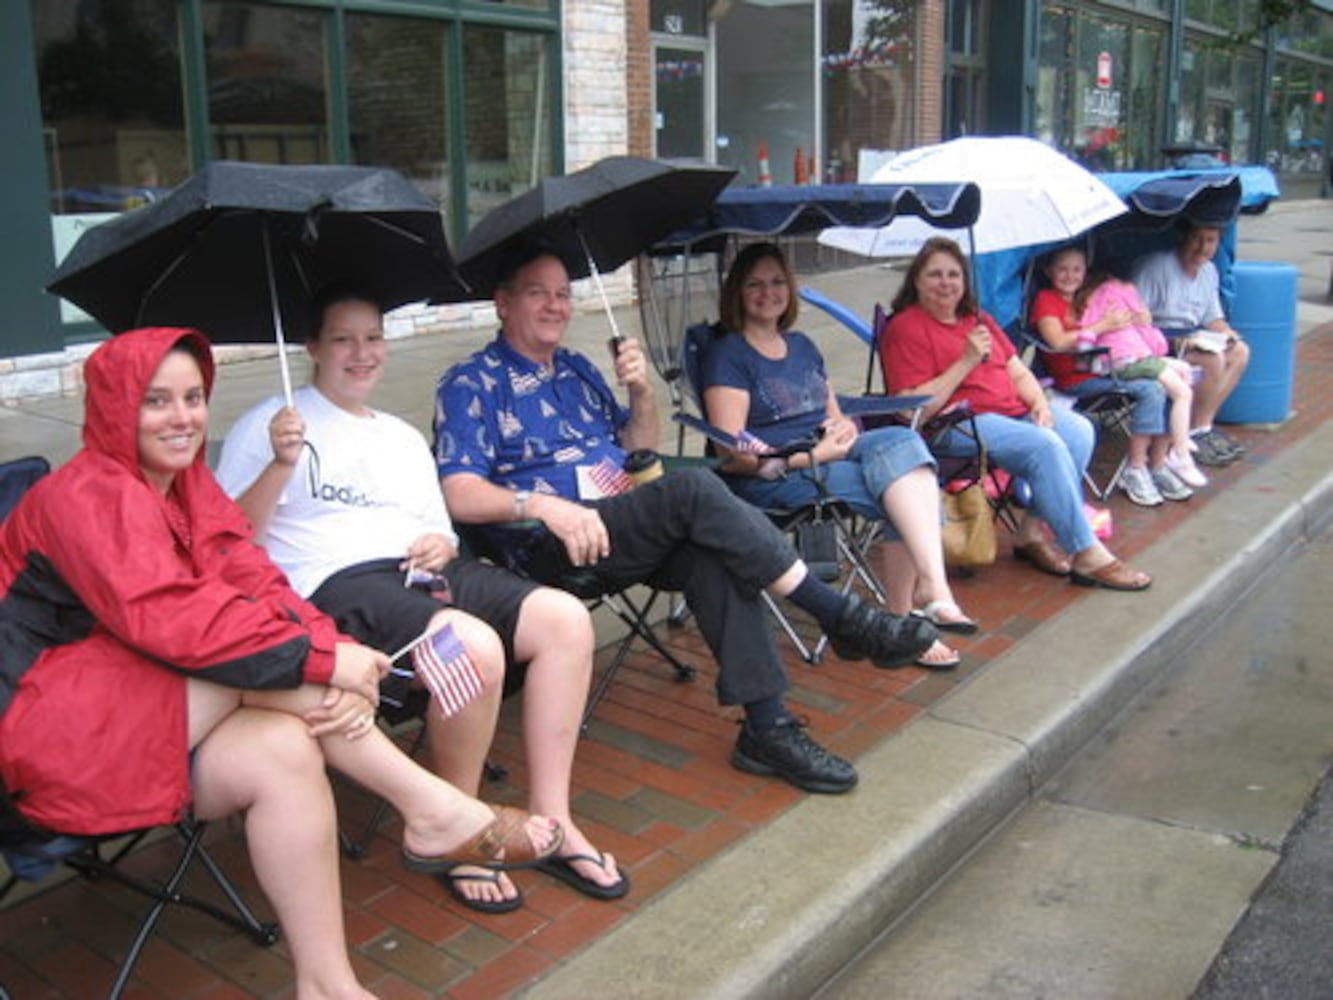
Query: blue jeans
[(1149, 414), (1051, 460), (877, 459)]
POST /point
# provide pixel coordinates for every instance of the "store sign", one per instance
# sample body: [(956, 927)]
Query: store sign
[(1104, 70), (1101, 108)]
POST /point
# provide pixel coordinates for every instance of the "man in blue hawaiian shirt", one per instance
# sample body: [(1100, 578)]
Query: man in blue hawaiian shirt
[(525, 429)]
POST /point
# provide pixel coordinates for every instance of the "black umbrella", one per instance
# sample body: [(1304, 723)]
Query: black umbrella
[(598, 218), (238, 249)]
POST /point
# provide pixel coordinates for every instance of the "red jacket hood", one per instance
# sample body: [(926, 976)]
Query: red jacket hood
[(117, 375)]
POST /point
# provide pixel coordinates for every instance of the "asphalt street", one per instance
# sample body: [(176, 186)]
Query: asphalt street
[(1194, 813)]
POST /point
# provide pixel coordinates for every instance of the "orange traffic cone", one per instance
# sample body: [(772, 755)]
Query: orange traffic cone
[(798, 173), (765, 174)]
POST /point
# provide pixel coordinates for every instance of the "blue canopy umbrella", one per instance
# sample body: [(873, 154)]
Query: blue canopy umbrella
[(1158, 203), (792, 210)]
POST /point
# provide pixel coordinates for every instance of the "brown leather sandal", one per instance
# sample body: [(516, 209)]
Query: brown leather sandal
[(502, 845), (1045, 556), (1115, 575)]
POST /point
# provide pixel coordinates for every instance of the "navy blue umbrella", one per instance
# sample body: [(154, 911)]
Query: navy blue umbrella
[(796, 209)]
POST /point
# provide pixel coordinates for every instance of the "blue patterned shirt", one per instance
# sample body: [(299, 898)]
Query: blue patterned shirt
[(523, 425)]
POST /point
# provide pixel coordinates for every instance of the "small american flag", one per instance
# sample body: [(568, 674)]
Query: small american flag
[(442, 663), (610, 479), (748, 444)]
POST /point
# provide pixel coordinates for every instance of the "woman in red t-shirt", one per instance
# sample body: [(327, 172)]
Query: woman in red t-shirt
[(940, 344)]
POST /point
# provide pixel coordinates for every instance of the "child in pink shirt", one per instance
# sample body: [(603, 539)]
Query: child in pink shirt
[(1139, 350)]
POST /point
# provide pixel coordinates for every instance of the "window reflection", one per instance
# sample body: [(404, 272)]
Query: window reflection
[(396, 98), (765, 101), (266, 89), (112, 114), (507, 115), (867, 80)]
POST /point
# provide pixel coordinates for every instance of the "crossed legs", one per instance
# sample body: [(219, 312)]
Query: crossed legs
[(254, 755)]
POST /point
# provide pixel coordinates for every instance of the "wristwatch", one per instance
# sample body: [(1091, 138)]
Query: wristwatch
[(521, 498)]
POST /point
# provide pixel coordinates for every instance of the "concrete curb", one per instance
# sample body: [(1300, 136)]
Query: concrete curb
[(786, 908)]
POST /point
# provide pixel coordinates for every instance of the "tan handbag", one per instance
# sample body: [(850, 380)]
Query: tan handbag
[(969, 527)]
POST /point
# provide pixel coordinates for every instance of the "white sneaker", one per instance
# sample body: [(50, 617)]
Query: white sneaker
[(1184, 466), (1169, 484), (1137, 482)]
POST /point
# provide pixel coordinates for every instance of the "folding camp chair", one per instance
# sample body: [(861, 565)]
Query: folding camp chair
[(497, 543), (32, 854), (831, 538)]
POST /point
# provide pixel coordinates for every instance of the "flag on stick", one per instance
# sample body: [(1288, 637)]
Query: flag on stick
[(442, 663)]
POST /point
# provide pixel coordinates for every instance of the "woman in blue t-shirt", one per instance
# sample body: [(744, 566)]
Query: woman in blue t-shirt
[(770, 380)]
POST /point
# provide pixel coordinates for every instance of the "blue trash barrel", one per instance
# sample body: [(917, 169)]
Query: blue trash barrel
[(1264, 313)]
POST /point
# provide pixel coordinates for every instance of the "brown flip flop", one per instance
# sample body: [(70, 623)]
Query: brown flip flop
[(502, 845)]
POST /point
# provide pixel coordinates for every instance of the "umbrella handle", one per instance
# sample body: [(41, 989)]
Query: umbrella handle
[(616, 335), (278, 337)]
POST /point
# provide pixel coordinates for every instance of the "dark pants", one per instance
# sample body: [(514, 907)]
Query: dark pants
[(687, 532)]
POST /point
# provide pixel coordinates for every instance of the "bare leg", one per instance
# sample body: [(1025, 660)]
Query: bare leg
[(1157, 447), (458, 744), (1178, 391), (900, 578), (264, 765), (912, 503), (1236, 359), (898, 574), (1208, 390), (789, 580), (1137, 451), (555, 637), (437, 817)]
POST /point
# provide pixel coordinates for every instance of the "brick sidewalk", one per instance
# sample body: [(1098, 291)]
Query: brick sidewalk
[(652, 785)]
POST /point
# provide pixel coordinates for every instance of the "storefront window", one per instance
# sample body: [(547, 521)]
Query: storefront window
[(506, 115), (112, 114), (1143, 135), (1248, 73), (765, 100), (867, 79), (1051, 116), (396, 98), (1100, 82), (267, 100), (1297, 125)]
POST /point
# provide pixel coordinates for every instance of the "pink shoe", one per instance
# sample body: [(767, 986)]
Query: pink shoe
[(1184, 467)]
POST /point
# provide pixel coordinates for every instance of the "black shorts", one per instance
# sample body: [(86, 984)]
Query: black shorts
[(369, 602)]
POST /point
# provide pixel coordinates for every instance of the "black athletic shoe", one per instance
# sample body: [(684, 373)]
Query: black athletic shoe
[(886, 640), (785, 751)]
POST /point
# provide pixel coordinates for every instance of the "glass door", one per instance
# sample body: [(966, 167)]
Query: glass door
[(680, 95)]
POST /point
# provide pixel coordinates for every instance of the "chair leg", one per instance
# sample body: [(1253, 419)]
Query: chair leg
[(92, 866), (635, 618), (806, 653)]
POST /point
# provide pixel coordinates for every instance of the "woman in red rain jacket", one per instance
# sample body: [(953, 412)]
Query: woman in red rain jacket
[(153, 661)]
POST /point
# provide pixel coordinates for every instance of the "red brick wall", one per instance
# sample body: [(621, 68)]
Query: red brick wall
[(639, 78), (930, 53)]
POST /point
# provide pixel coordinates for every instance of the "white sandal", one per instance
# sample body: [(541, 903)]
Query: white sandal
[(957, 621)]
